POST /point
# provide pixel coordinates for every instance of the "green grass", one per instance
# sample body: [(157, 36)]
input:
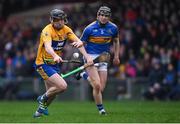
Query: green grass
[(77, 112)]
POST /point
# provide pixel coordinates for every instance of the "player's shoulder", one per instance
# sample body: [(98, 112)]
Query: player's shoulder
[(67, 28), (91, 25), (111, 24), (47, 28)]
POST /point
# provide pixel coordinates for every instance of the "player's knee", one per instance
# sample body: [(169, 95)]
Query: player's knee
[(97, 87), (102, 88), (95, 80), (62, 87)]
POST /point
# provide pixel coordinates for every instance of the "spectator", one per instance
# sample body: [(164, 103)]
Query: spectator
[(155, 90)]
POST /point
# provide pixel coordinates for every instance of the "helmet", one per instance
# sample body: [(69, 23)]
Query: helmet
[(58, 14), (104, 10)]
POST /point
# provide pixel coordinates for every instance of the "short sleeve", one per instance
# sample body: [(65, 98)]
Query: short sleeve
[(46, 35), (115, 32)]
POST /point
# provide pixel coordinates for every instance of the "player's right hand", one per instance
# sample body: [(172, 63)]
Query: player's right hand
[(89, 60), (58, 59), (116, 61)]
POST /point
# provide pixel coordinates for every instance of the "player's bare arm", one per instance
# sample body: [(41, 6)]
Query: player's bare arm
[(79, 44), (88, 58), (116, 46), (50, 50)]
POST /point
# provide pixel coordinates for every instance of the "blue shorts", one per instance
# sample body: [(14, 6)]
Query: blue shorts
[(46, 71)]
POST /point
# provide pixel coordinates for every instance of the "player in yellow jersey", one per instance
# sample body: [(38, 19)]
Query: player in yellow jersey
[(52, 40)]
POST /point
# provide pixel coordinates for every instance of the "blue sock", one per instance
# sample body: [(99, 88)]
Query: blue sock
[(84, 75), (100, 107)]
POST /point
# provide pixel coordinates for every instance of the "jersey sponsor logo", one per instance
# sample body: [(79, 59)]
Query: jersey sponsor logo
[(58, 45)]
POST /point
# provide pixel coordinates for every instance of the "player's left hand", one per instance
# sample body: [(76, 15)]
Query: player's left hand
[(116, 61), (77, 44)]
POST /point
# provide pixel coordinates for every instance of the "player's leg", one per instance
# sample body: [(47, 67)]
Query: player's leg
[(58, 84), (102, 70), (103, 80), (50, 99), (84, 74), (95, 83), (48, 84)]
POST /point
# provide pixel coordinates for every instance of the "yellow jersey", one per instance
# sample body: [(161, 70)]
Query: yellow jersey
[(58, 39)]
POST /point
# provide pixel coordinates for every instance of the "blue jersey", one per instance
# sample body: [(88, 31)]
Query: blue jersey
[(99, 38)]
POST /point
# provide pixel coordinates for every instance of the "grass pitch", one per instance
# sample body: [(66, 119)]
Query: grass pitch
[(86, 112)]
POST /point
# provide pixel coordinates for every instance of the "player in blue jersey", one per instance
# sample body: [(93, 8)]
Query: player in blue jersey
[(98, 37)]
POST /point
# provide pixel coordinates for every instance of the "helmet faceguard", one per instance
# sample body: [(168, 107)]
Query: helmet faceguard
[(104, 10)]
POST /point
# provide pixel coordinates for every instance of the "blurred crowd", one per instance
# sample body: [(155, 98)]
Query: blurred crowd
[(149, 35)]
